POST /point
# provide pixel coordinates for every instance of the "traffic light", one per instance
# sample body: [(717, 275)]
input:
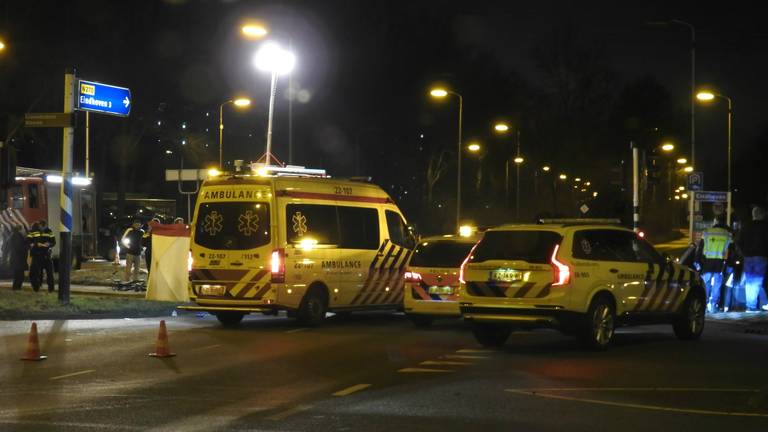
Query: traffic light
[(7, 165)]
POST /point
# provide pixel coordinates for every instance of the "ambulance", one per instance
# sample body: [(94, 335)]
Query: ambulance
[(286, 238)]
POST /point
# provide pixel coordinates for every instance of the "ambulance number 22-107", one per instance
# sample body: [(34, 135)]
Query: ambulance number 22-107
[(343, 190)]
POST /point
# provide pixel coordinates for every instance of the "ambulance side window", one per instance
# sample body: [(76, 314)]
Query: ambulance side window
[(34, 196), (398, 231), (317, 223), (359, 227)]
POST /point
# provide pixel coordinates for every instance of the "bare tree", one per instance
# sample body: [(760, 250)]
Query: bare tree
[(436, 166)]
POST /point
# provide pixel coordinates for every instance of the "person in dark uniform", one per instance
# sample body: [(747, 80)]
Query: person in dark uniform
[(131, 241), (19, 250), (146, 241), (41, 241)]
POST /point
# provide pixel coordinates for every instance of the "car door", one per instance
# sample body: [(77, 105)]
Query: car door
[(359, 244)]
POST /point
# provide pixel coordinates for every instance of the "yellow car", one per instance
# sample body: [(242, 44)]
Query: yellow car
[(432, 278), (582, 277)]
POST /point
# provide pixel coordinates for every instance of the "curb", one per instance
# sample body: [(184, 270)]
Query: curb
[(108, 291)]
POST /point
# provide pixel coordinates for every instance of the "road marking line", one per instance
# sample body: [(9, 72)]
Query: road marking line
[(464, 357), (444, 362), (475, 351), (297, 330), (289, 412), (352, 389), (205, 347), (637, 389), (638, 406), (72, 374), (409, 370)]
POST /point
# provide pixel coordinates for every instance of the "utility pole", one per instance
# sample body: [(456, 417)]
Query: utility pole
[(635, 186), (65, 197)]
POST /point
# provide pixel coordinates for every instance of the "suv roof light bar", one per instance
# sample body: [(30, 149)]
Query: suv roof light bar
[(580, 221), (287, 170)]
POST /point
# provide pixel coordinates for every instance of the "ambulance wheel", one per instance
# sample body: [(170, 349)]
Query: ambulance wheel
[(690, 322), (491, 335), (599, 324), (313, 307), (421, 320), (230, 319)]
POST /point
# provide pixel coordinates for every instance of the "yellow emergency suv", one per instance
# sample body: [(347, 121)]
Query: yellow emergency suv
[(432, 278), (295, 240), (583, 277)]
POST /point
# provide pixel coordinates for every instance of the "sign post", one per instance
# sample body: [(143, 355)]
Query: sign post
[(65, 197), (719, 203)]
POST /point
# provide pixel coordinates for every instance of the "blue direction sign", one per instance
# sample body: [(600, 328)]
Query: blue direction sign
[(103, 98)]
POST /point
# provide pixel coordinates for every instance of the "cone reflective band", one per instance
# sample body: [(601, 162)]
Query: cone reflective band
[(161, 347), (33, 346)]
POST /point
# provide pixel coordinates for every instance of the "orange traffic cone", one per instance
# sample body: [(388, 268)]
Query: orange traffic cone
[(33, 346), (161, 347)]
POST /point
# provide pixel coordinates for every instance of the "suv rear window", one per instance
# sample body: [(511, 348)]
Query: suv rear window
[(232, 225), (440, 254), (530, 246)]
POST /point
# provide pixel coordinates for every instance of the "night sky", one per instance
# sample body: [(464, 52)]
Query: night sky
[(578, 79)]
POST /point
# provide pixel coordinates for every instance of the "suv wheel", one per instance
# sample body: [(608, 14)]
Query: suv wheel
[(491, 335), (421, 320), (690, 322), (599, 324), (313, 307), (230, 319)]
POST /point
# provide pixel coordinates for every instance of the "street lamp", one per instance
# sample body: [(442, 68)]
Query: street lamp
[(563, 177), (546, 168), (501, 127), (667, 147), (240, 103), (253, 31), (682, 161), (688, 169), (2, 45), (707, 96), (474, 147), (277, 61), (439, 93)]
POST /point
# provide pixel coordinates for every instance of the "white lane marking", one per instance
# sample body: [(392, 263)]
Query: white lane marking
[(297, 330), (474, 351), (352, 389), (464, 357), (637, 406), (427, 370), (72, 374), (444, 363), (289, 412), (205, 348), (637, 389), (56, 425)]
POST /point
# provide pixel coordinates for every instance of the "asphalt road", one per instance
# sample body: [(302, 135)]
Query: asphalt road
[(375, 372)]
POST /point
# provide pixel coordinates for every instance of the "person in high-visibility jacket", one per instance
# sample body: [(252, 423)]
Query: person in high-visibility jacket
[(711, 253), (41, 240)]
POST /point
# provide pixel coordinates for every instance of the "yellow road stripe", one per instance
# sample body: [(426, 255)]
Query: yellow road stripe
[(445, 363), (352, 389), (289, 412), (412, 370), (464, 357), (72, 374), (638, 406)]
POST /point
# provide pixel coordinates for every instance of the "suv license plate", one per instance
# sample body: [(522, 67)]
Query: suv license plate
[(506, 275)]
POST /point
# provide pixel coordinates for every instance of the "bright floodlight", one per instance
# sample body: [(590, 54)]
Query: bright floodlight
[(254, 31), (518, 160), (2, 45), (705, 96), (467, 230), (474, 147), (682, 161), (667, 147), (271, 58), (501, 127), (438, 92), (242, 102), (213, 172)]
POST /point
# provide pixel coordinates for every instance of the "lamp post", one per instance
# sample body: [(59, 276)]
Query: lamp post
[(706, 96), (277, 61), (440, 93), (240, 103)]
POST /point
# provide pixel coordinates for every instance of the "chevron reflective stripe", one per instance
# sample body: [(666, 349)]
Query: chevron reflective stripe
[(420, 293), (247, 280), (66, 204), (397, 283), (371, 271), (384, 276), (522, 291), (374, 277), (678, 288), (390, 282), (13, 217), (665, 290), (648, 283)]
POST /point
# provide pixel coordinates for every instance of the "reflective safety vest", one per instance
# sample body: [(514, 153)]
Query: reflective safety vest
[(716, 241)]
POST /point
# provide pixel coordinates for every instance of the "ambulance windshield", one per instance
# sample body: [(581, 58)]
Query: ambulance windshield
[(233, 225)]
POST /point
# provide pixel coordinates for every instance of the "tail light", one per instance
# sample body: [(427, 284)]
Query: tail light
[(277, 264), (412, 276), (562, 271), (464, 263), (190, 261)]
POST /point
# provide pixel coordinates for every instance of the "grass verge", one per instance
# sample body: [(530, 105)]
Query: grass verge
[(15, 305)]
